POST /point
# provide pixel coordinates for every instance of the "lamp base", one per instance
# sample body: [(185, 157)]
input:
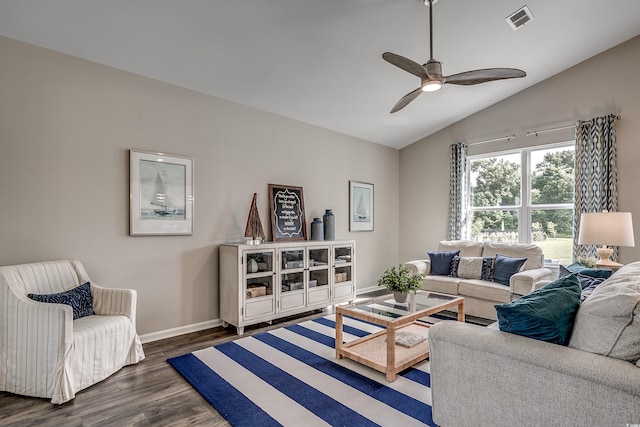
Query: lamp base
[(604, 262)]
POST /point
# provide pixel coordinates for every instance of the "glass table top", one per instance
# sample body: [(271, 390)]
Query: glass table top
[(386, 307)]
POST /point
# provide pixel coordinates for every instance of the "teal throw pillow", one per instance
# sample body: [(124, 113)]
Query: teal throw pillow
[(576, 267), (441, 262), (546, 314), (79, 298), (504, 267)]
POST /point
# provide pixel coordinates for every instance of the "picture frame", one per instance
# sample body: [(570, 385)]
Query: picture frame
[(288, 221), (361, 206), (160, 194)]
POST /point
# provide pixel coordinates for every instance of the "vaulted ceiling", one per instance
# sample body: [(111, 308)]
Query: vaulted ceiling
[(319, 61)]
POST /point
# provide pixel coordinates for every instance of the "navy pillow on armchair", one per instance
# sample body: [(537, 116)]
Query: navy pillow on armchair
[(79, 298)]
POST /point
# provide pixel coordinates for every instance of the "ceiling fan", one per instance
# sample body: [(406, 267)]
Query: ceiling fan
[(431, 78)]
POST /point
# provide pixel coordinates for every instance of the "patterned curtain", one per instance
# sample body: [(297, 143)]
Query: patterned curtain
[(457, 190), (596, 175)]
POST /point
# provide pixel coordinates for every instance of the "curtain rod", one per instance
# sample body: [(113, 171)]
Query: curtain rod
[(507, 137), (536, 132)]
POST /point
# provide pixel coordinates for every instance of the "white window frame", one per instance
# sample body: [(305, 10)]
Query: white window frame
[(525, 208)]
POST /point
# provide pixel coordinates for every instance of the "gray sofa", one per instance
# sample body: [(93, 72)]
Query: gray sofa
[(480, 296), (485, 377)]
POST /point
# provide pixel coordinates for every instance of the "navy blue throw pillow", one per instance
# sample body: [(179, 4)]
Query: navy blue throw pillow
[(546, 314), (79, 298), (505, 267), (441, 262), (588, 284)]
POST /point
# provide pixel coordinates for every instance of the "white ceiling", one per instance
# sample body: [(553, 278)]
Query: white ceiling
[(319, 61)]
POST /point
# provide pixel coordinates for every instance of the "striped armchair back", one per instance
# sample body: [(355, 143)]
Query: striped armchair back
[(43, 277)]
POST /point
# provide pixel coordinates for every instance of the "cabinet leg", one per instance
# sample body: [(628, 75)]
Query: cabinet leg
[(225, 324), (240, 330)]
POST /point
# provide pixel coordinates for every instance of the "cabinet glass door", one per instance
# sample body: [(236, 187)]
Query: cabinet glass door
[(318, 291), (342, 272), (259, 270), (292, 275)]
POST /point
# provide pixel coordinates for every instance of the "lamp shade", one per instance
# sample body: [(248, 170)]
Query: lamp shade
[(606, 228)]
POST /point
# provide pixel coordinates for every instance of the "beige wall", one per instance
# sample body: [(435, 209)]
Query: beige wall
[(607, 83), (66, 126)]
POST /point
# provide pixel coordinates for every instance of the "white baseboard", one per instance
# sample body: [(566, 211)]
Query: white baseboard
[(181, 330), (187, 329), (369, 289)]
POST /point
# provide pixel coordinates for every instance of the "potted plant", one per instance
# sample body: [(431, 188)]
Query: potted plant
[(400, 281)]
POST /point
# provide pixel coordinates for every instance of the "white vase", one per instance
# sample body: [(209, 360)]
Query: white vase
[(252, 266)]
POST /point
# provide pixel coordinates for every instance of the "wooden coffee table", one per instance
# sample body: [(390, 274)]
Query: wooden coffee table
[(379, 350)]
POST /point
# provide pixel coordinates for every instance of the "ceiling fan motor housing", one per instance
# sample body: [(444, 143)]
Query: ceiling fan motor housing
[(434, 69)]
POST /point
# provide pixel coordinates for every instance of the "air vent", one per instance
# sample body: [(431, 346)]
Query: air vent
[(519, 18)]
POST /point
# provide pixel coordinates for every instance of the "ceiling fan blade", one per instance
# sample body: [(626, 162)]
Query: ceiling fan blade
[(406, 64), (485, 75), (405, 100)]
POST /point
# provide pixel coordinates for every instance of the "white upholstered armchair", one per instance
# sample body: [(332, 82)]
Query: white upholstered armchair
[(44, 352)]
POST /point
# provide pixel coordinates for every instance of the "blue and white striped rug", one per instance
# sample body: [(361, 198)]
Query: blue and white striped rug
[(290, 376)]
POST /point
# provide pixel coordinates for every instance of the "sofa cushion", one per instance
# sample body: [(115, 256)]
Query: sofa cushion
[(472, 267), (608, 322), (466, 247), (441, 284), (79, 298), (546, 314), (441, 262), (504, 267), (483, 289), (533, 253)]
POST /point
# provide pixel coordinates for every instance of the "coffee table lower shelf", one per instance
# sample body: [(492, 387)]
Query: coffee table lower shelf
[(374, 350)]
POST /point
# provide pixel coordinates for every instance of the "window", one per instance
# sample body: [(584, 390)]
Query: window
[(524, 196)]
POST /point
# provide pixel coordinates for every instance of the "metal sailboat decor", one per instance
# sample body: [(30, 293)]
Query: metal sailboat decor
[(254, 225)]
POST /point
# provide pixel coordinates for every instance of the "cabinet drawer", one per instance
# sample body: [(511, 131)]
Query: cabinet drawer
[(318, 295), (258, 308), (291, 300)]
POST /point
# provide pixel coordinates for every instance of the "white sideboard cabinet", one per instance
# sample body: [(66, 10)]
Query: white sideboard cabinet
[(259, 283)]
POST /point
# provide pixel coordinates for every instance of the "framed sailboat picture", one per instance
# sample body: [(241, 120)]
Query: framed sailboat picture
[(160, 194), (360, 206)]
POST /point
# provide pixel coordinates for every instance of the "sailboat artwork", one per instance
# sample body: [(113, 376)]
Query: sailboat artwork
[(362, 211), (160, 194), (160, 197), (361, 206), (362, 214), (162, 191)]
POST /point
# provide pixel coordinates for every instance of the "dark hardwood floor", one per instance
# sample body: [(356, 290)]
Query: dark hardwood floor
[(150, 393)]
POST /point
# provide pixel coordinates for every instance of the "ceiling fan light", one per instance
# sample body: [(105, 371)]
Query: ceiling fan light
[(432, 86)]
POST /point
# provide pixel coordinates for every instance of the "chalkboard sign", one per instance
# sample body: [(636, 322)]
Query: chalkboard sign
[(287, 212)]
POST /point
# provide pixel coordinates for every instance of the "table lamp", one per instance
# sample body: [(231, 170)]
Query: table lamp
[(606, 228)]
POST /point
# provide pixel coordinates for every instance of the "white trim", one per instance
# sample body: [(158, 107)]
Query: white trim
[(180, 330), (196, 327), (369, 289)]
